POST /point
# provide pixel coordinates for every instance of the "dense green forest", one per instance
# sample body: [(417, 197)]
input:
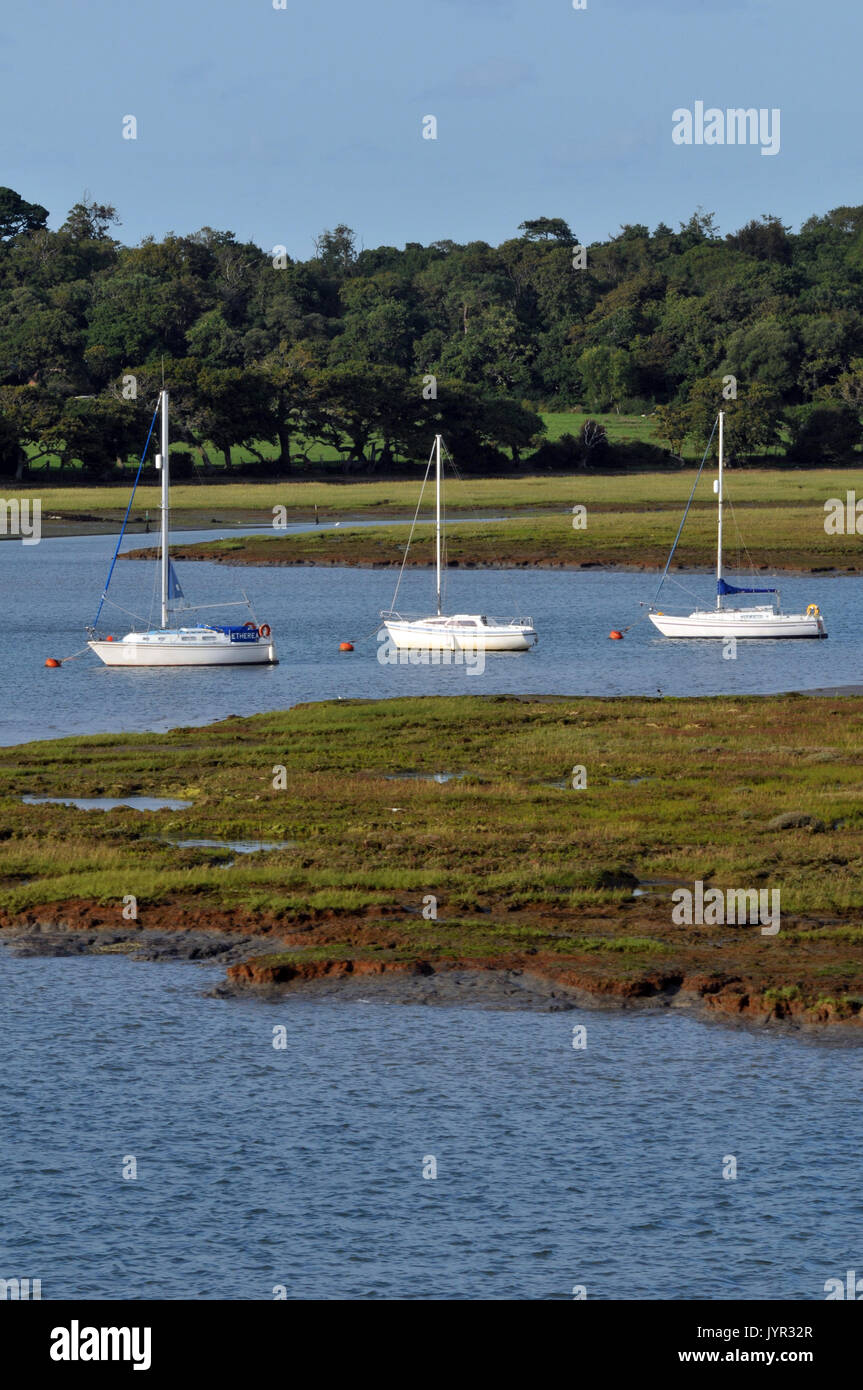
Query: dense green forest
[(361, 355)]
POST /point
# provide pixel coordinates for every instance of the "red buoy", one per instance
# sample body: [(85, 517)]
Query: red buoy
[(346, 646), (615, 635), (51, 661), (109, 638)]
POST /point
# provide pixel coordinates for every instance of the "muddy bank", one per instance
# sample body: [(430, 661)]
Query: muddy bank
[(353, 555), (549, 985), (546, 984), (60, 939), (515, 990)]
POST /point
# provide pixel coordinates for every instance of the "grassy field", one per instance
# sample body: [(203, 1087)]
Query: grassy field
[(767, 487), (528, 872), (621, 429), (618, 427), (758, 535)]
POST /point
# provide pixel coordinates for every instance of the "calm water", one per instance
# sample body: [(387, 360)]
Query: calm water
[(52, 591), (303, 1167)]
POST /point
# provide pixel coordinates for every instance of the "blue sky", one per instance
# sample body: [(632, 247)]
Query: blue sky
[(277, 123)]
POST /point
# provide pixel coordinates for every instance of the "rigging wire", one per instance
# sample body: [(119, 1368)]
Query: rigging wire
[(484, 536), (693, 593), (410, 537), (112, 603), (126, 517), (741, 543), (649, 606), (685, 515)]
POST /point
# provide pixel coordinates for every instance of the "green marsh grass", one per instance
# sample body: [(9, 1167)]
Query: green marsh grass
[(518, 865)]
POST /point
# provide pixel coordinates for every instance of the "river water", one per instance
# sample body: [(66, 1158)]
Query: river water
[(302, 1168), (52, 592)]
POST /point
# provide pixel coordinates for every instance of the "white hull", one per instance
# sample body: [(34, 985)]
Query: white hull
[(208, 644), (460, 634), (178, 649), (758, 621), (740, 622)]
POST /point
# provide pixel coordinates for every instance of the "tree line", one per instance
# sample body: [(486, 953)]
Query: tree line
[(370, 351)]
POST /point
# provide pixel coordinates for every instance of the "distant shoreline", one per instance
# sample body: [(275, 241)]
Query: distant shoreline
[(535, 543)]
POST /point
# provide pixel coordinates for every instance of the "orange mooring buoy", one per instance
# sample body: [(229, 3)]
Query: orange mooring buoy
[(615, 635), (346, 646), (109, 638), (50, 661)]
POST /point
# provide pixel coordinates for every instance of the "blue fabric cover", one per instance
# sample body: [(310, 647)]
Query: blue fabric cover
[(723, 588)]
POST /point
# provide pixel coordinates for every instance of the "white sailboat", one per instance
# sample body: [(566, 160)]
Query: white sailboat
[(459, 631), (764, 620), (207, 644)]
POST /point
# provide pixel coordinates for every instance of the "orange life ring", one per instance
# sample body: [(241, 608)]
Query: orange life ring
[(264, 629), (252, 625)]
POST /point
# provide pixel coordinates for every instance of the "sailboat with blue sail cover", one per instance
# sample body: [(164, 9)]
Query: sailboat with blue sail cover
[(171, 644), (757, 621)]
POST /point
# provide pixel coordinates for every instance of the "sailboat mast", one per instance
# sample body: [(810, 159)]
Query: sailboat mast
[(719, 521), (162, 463), (437, 520)]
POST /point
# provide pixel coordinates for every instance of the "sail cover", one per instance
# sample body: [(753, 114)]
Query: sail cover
[(723, 588)]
